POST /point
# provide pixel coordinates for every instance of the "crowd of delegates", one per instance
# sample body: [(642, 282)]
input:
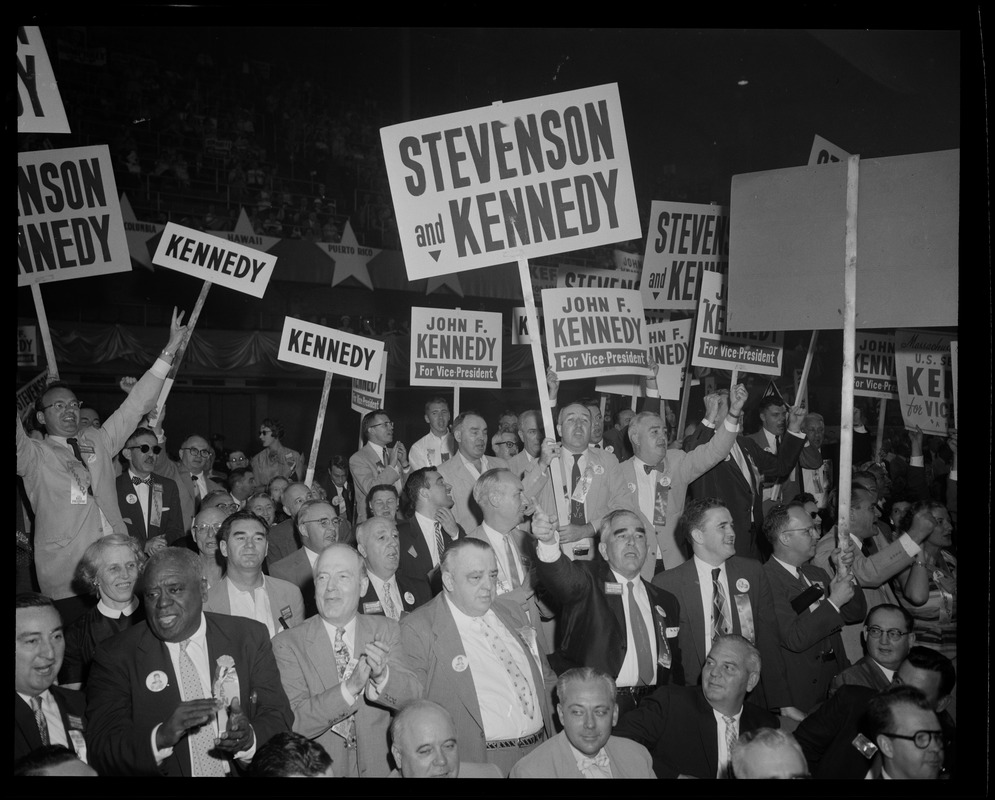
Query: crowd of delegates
[(440, 611)]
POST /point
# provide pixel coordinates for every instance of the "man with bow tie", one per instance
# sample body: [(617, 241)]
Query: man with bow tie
[(658, 478), (149, 503)]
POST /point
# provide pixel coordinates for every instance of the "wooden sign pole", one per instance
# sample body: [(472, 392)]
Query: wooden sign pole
[(46, 334), (322, 405), (803, 380), (879, 442), (167, 385), (849, 348), (538, 362)]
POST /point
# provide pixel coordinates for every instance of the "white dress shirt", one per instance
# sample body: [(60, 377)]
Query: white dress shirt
[(252, 604), (628, 675), (501, 553), (383, 588), (427, 527), (724, 754)]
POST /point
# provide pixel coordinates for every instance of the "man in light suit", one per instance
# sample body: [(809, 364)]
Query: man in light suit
[(388, 594), (320, 526), (432, 524), (658, 477), (462, 470), (809, 607), (244, 591), (610, 618), (149, 503), (157, 688), (690, 730), (585, 747), (720, 592), (475, 654), (375, 463), (69, 478), (592, 478), (424, 745), (342, 671), (738, 480), (39, 647)]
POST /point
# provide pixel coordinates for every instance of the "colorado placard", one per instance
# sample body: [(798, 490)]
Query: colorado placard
[(594, 332), (511, 180), (455, 348)]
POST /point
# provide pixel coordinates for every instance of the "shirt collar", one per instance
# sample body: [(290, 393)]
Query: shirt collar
[(198, 637), (792, 569), (349, 627), (115, 613)]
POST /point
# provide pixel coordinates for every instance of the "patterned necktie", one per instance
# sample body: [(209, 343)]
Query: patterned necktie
[(499, 649), (202, 740), (596, 766), (73, 442), (720, 617), (509, 551), (731, 737), (136, 480), (389, 605), (440, 540), (347, 727), (576, 506), (641, 638), (40, 720)]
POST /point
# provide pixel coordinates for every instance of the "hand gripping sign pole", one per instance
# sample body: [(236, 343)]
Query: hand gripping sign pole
[(562, 513), (849, 348), (167, 384)]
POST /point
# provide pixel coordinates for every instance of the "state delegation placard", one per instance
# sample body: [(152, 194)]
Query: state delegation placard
[(455, 348), (68, 216), (214, 259), (512, 180), (594, 332), (714, 346), (308, 344), (682, 237)]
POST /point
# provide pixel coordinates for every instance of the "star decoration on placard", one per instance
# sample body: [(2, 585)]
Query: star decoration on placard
[(350, 257), (244, 234), (138, 234), (437, 282)]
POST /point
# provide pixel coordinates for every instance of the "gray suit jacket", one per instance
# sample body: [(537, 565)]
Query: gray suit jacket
[(285, 601), (865, 672), (367, 472), (465, 508), (307, 670), (431, 642), (296, 569), (555, 759)]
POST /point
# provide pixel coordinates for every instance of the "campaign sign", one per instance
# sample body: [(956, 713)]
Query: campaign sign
[(668, 345), (368, 395), (308, 344), (758, 352), (922, 361), (953, 374), (520, 325), (27, 345), (874, 366), (68, 216), (629, 262), (513, 180), (825, 152), (214, 259), (39, 104), (594, 332), (30, 392), (455, 348), (682, 237), (569, 277)]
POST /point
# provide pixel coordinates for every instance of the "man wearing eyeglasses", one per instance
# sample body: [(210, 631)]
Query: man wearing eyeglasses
[(69, 478), (375, 462), (505, 445), (319, 525), (907, 733), (149, 503), (888, 637), (191, 472)]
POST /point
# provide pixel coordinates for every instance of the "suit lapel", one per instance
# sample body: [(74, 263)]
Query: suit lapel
[(691, 602), (320, 652), (24, 719)]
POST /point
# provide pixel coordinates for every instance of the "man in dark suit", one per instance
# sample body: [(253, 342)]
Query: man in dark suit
[(187, 693), (388, 594), (44, 714), (338, 489), (610, 618), (680, 725), (738, 480), (810, 609), (149, 503), (617, 437), (773, 423), (888, 636), (475, 654), (431, 525), (720, 592)]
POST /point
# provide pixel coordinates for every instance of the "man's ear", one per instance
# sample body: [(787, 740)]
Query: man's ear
[(364, 585), (884, 745), (603, 549), (223, 547), (447, 581), (942, 703), (752, 681), (40, 417), (697, 535)]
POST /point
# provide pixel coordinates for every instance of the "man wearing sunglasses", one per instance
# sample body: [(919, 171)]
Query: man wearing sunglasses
[(69, 477), (149, 503)]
